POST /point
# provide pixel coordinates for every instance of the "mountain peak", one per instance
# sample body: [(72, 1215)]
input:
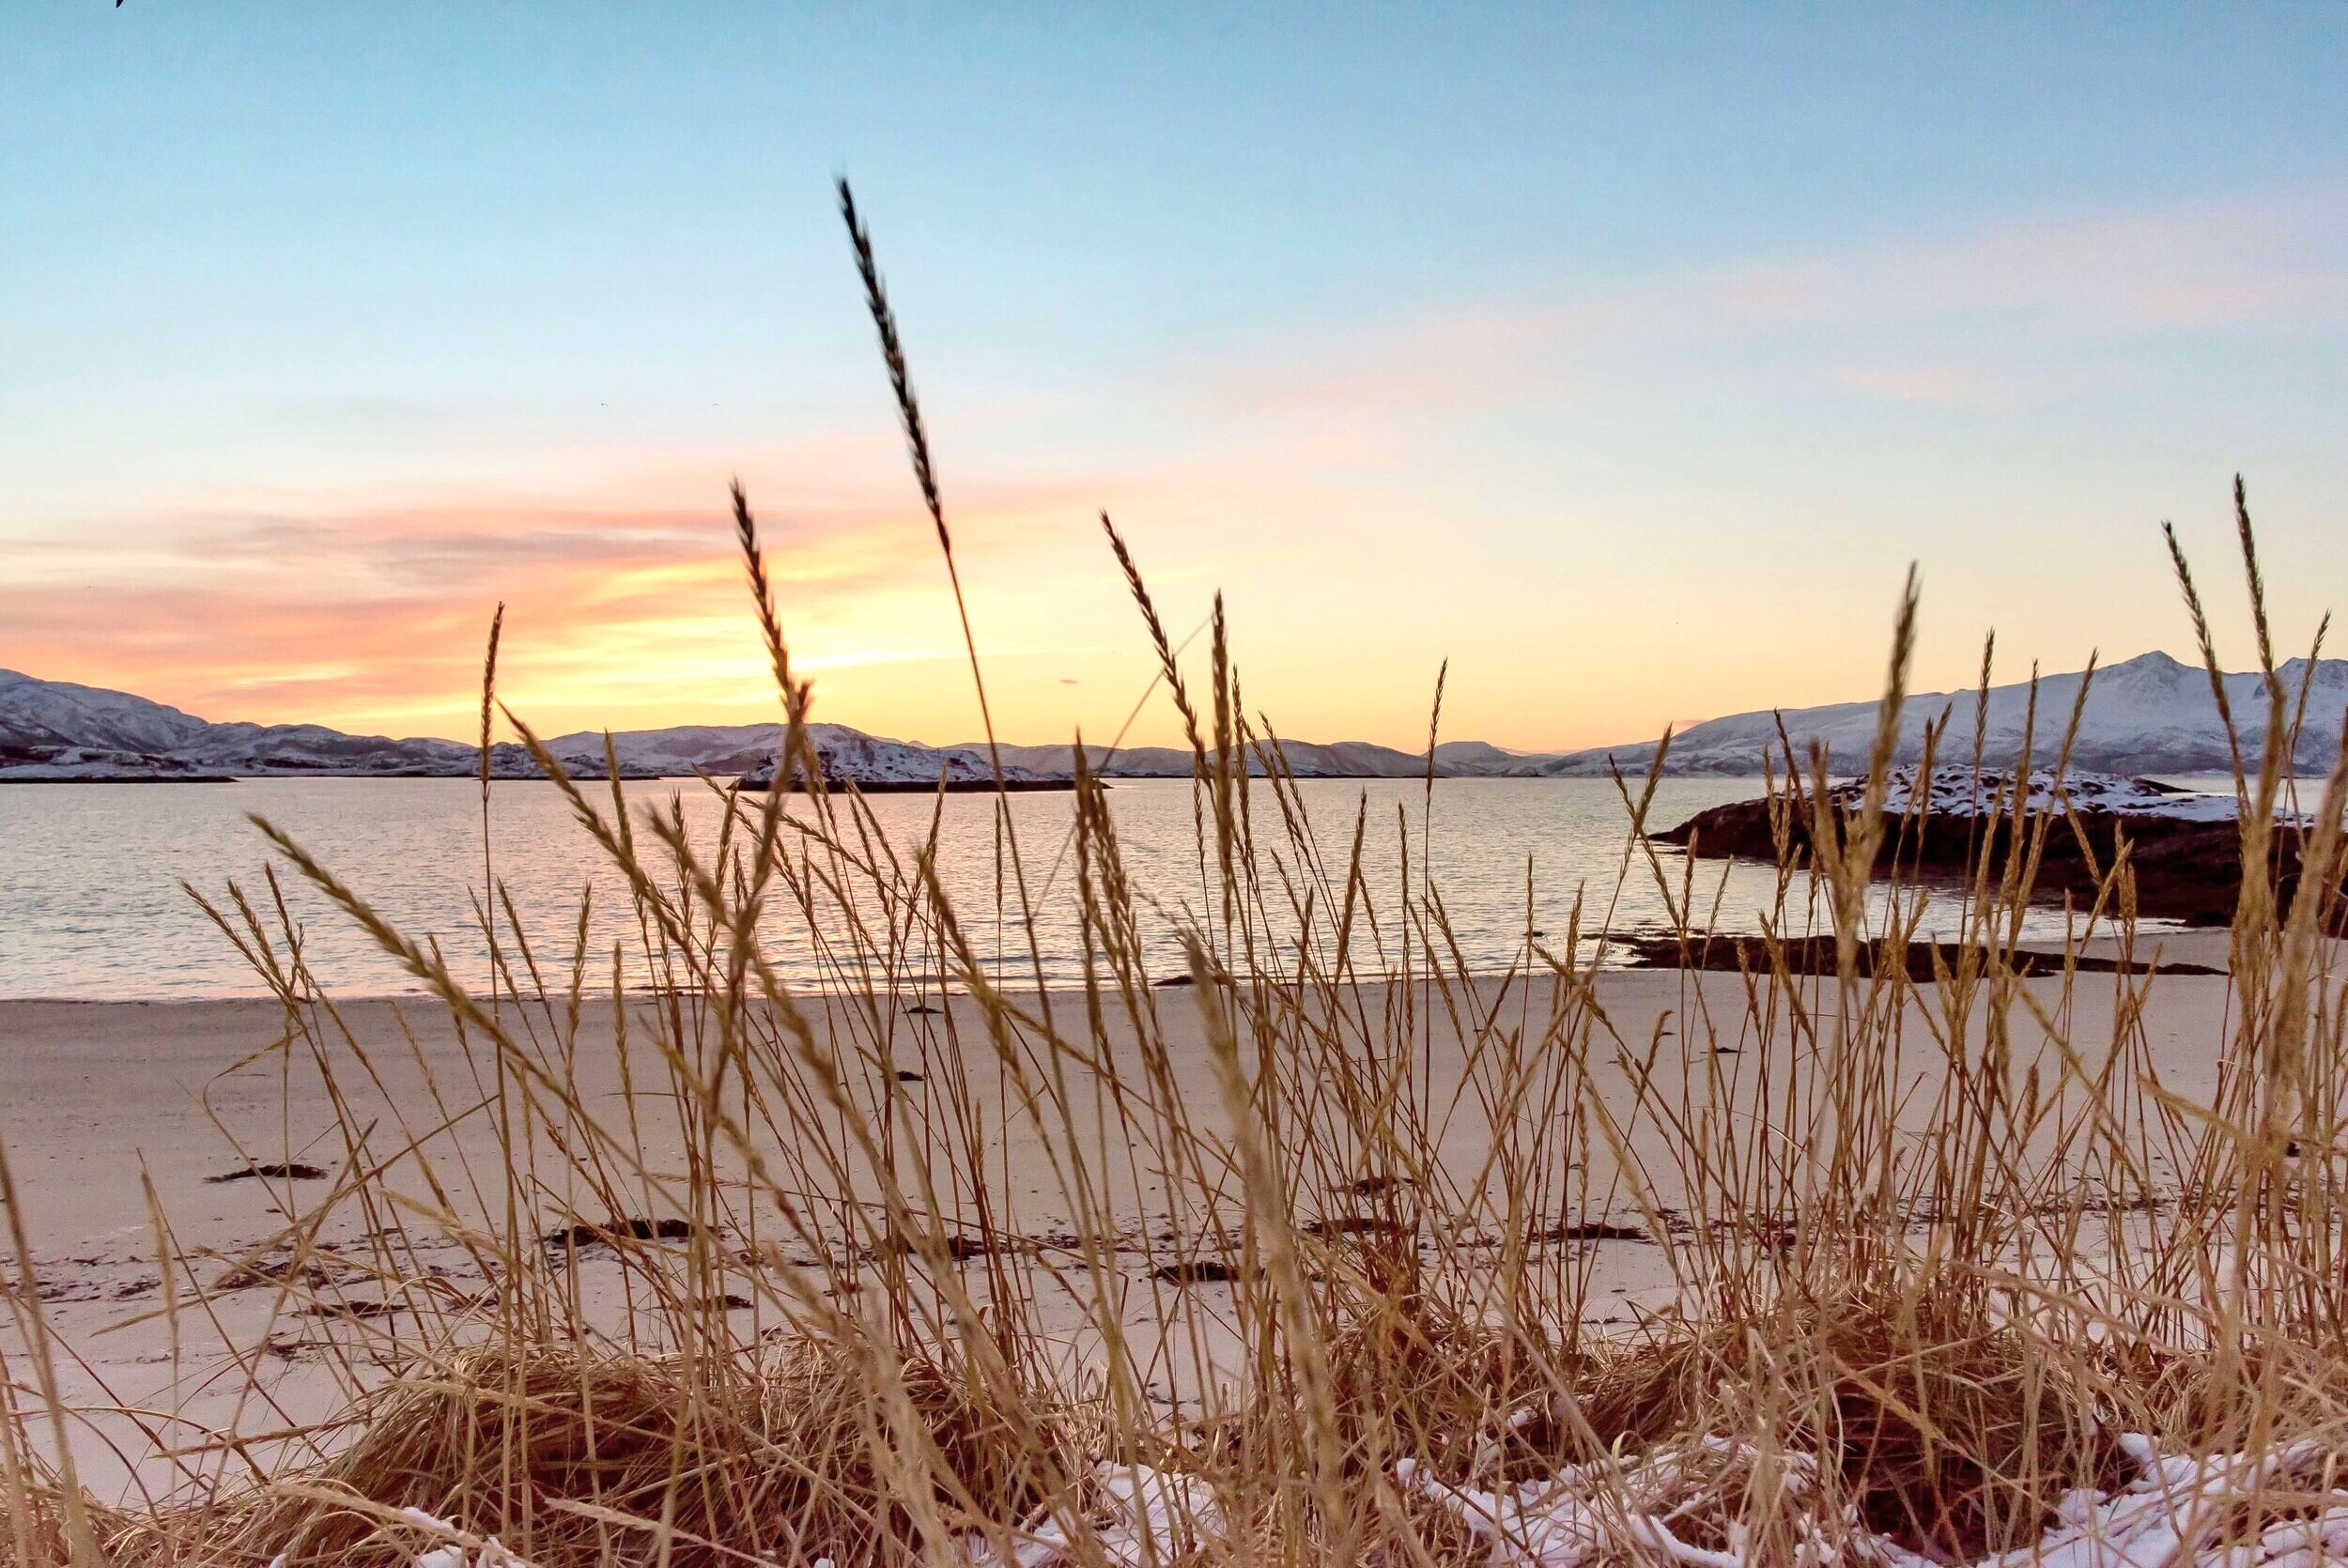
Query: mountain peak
[(2157, 662)]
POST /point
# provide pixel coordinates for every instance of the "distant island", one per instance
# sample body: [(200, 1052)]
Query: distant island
[(2148, 715)]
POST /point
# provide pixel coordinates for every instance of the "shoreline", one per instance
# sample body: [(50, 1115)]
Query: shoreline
[(2191, 952)]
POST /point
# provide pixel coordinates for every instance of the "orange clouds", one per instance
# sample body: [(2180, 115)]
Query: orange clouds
[(1585, 497), (371, 618)]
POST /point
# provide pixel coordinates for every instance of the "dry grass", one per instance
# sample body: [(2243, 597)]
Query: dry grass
[(1930, 1251)]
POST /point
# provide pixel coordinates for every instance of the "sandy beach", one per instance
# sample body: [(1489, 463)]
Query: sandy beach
[(190, 1097)]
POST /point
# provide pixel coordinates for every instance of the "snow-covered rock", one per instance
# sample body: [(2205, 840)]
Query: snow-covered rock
[(1959, 791), (37, 764)]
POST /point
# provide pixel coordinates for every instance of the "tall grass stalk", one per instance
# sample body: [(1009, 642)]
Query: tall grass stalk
[(1269, 1247)]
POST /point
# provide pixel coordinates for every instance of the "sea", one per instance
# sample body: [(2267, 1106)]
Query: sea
[(99, 883)]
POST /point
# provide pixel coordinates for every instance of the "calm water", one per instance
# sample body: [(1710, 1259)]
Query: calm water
[(91, 903)]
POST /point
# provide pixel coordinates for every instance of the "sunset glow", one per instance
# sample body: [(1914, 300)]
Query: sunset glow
[(289, 481)]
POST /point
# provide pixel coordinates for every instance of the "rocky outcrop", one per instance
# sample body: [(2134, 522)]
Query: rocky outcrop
[(2186, 849), (1818, 954)]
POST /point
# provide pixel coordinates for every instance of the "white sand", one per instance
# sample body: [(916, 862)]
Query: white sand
[(97, 1093)]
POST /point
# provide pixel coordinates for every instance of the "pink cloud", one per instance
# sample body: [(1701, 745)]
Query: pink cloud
[(2281, 259), (2278, 257)]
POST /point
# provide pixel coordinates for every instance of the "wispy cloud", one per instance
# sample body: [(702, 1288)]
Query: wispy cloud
[(1869, 318), (2278, 257)]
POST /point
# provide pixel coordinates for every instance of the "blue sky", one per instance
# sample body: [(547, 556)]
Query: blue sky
[(1625, 356)]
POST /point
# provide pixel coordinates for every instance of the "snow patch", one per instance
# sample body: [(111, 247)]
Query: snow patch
[(2181, 1512), (1960, 792), (459, 1548), (2178, 1511), (1144, 1516)]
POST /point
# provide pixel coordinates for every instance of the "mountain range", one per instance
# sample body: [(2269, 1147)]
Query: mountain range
[(2150, 714)]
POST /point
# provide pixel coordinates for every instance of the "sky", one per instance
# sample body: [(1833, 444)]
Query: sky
[(1625, 357)]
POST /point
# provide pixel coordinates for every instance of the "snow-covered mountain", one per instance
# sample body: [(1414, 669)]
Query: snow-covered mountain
[(54, 730), (2150, 714), (58, 730), (1480, 760), (748, 751), (1305, 759), (871, 762), (60, 714), (720, 750), (1059, 761)]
